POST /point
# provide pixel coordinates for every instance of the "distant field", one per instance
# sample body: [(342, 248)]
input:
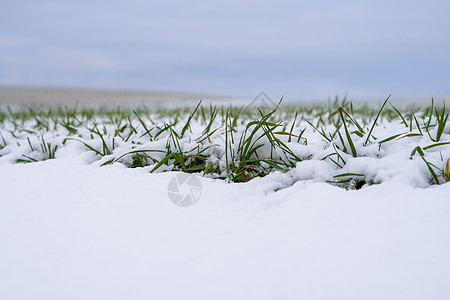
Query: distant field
[(87, 97)]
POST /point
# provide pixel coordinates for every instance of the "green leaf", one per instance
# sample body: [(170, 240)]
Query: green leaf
[(347, 174), (375, 121)]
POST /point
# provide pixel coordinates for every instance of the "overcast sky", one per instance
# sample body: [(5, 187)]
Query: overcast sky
[(299, 49)]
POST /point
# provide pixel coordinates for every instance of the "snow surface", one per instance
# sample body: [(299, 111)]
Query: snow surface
[(70, 230)]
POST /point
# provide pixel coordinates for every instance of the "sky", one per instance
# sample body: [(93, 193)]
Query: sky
[(302, 50)]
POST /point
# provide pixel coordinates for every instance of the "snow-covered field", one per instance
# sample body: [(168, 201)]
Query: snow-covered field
[(327, 202)]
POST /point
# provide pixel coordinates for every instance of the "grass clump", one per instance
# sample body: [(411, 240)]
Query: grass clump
[(236, 143)]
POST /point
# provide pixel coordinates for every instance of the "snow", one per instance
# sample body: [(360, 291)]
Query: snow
[(72, 230), (73, 226)]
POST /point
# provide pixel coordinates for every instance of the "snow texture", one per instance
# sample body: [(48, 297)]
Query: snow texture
[(70, 230)]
